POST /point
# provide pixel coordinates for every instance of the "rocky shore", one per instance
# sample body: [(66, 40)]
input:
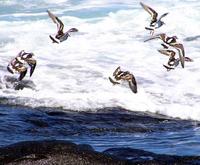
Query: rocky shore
[(67, 153)]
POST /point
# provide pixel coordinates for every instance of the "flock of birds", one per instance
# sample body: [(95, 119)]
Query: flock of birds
[(169, 47)]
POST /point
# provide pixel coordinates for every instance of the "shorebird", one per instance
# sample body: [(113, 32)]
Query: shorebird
[(171, 41), (60, 36), (18, 64), (126, 76), (155, 21), (172, 62), (28, 57)]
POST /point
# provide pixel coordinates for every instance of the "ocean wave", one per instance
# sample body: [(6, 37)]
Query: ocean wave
[(74, 74)]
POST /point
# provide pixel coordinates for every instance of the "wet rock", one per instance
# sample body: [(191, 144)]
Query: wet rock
[(137, 156), (54, 152)]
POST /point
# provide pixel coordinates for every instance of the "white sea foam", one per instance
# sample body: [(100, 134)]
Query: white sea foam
[(74, 74)]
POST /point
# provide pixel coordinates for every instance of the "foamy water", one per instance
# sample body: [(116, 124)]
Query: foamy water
[(74, 74)]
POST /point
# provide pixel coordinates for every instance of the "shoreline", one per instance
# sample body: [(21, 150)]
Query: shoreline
[(65, 152)]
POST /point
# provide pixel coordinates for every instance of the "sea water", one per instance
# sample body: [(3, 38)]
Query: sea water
[(74, 74)]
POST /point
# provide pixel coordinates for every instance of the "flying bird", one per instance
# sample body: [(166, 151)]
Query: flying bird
[(171, 41), (28, 58), (172, 62), (18, 64), (60, 36), (126, 76), (155, 21)]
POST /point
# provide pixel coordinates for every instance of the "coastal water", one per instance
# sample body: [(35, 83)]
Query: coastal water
[(74, 75)]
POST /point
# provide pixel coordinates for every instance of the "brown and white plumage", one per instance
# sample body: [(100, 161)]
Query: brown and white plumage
[(131, 81), (155, 21), (168, 67), (181, 52), (28, 58), (118, 75), (18, 64), (151, 11), (167, 52), (171, 41), (61, 35)]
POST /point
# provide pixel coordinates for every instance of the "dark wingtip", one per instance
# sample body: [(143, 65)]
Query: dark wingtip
[(22, 75), (133, 87), (53, 40), (9, 70), (73, 30), (32, 69)]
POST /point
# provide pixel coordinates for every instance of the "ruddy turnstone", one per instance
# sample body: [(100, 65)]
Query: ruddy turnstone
[(60, 36), (171, 41), (126, 76), (172, 62), (155, 21), (28, 57), (18, 64)]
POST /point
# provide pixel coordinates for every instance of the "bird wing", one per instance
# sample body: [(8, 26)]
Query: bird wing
[(56, 20), (163, 15), (32, 63), (167, 52), (181, 53), (151, 11), (72, 30), (168, 67), (22, 74), (132, 84), (53, 39), (116, 71), (112, 81), (161, 36), (32, 69)]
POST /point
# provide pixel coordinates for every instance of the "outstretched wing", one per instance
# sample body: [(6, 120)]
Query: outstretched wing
[(151, 11), (72, 30), (22, 75), (32, 68), (167, 52), (112, 81), (181, 53), (161, 36), (163, 15), (132, 84), (56, 20), (116, 71)]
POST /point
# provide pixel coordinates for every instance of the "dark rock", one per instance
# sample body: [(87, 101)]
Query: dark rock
[(137, 156), (54, 152)]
